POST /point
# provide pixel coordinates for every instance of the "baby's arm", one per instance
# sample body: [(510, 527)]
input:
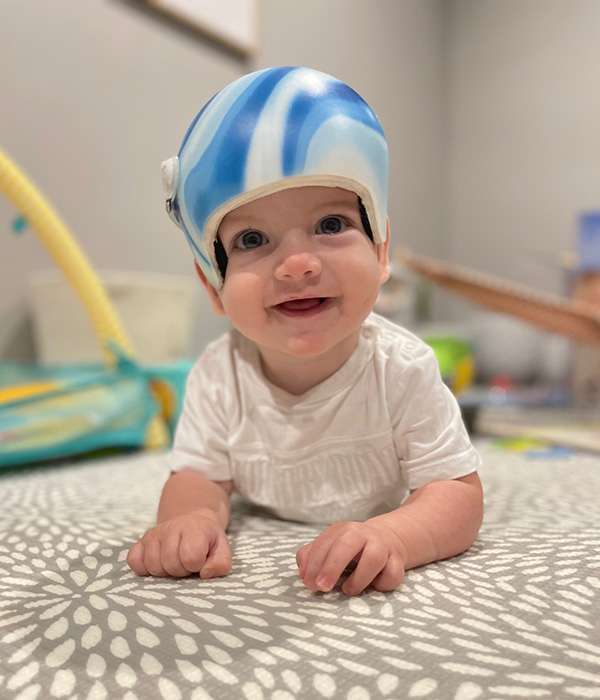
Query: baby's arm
[(438, 520), (435, 522), (189, 536), (188, 492)]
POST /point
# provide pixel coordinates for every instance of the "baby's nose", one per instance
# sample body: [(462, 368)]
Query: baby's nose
[(297, 264)]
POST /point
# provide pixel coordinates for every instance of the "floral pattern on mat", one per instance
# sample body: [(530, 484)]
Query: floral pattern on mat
[(515, 616)]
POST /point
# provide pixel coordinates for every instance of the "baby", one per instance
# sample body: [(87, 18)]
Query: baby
[(313, 406)]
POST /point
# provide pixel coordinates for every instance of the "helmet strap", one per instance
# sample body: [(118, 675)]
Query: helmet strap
[(365, 220), (221, 257)]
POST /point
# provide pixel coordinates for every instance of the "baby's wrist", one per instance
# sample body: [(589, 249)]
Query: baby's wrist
[(208, 513), (388, 529)]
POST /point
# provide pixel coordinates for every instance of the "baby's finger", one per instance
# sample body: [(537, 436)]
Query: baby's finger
[(391, 576), (218, 562), (152, 558), (341, 553), (372, 561), (302, 557), (135, 559), (315, 558), (169, 556), (193, 549)]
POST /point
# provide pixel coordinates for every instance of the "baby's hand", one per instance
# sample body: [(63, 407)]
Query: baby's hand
[(379, 554), (188, 544)]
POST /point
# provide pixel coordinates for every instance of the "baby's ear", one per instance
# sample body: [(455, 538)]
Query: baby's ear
[(213, 295), (383, 257)]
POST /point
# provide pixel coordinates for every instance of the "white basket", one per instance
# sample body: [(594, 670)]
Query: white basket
[(157, 311)]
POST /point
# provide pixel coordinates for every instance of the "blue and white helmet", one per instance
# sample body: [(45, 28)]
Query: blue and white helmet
[(267, 131)]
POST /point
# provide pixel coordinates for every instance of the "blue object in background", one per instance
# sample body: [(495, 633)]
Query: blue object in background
[(588, 243)]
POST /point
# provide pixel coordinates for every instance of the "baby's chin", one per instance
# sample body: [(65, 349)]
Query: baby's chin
[(301, 346), (313, 344), (292, 342)]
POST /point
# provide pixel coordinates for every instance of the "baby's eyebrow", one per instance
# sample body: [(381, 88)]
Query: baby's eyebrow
[(333, 205), (243, 221)]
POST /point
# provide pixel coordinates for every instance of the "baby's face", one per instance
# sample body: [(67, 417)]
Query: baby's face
[(302, 275)]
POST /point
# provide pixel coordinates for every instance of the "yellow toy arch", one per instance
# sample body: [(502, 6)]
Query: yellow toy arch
[(68, 255)]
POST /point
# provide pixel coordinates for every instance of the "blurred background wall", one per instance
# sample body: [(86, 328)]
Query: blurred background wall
[(491, 110), (521, 134)]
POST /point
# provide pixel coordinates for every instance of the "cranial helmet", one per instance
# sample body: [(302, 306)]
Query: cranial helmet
[(267, 131)]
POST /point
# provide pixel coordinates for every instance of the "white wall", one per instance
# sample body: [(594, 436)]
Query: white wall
[(95, 94), (522, 134)]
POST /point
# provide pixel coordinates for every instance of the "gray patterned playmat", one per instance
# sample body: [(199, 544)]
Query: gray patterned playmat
[(517, 616)]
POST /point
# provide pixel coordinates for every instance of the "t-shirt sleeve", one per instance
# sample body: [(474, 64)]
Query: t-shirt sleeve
[(429, 433), (201, 437)]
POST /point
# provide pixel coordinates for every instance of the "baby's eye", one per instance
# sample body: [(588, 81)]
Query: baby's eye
[(249, 240), (330, 224)]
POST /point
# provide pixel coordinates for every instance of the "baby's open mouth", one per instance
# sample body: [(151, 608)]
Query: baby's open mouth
[(303, 307), (301, 304)]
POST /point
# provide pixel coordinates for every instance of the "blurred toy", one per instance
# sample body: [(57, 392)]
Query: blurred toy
[(455, 359), (576, 319), (50, 413), (67, 254), (53, 412)]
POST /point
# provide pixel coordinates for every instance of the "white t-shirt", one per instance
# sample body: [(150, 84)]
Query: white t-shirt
[(348, 449)]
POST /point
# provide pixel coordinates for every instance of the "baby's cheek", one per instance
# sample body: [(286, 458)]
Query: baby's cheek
[(242, 299)]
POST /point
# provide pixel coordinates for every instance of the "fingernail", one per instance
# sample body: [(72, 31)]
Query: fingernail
[(206, 573), (323, 584)]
